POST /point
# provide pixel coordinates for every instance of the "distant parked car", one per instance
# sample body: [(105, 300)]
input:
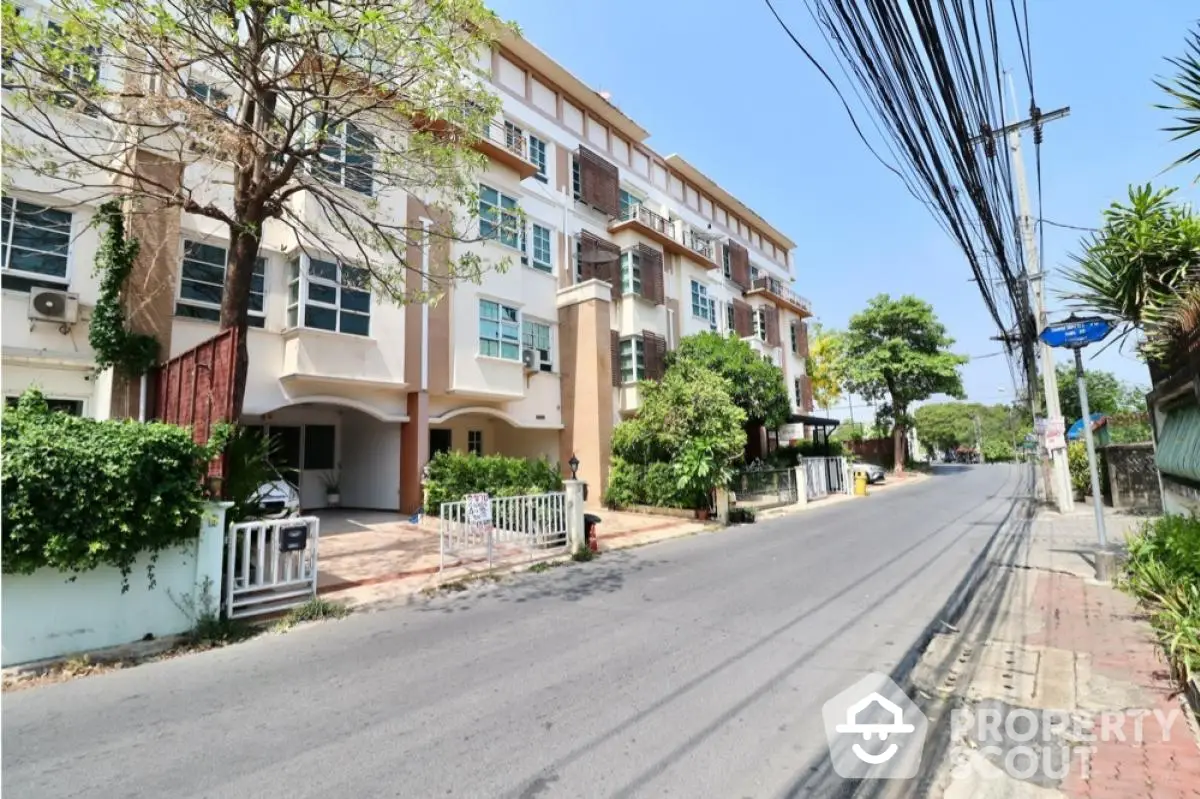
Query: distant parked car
[(875, 474), (278, 499)]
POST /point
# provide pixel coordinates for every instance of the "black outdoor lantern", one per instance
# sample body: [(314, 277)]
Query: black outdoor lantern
[(574, 464)]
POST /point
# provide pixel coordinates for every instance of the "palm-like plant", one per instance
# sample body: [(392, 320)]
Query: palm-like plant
[(1176, 322), (1184, 89)]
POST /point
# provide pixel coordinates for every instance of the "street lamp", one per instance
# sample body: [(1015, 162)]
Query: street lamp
[(574, 464)]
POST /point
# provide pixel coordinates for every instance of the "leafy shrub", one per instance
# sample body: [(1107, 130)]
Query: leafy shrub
[(995, 451), (453, 475), (1077, 464), (81, 493), (247, 468), (655, 485), (741, 515)]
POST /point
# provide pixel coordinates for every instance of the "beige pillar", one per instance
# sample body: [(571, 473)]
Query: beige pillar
[(584, 322)]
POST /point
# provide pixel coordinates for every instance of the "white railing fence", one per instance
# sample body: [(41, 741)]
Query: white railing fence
[(825, 476), (270, 565), (480, 528)]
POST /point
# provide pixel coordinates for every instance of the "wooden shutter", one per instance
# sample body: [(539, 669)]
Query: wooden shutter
[(802, 339), (615, 346), (772, 326), (587, 257), (652, 274), (743, 319), (739, 265), (655, 352), (806, 397), (605, 260), (599, 183)]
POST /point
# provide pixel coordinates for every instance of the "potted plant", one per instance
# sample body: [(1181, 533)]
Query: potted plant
[(333, 493), (699, 474)]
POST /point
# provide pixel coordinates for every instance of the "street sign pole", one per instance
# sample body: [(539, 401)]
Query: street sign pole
[(1097, 500)]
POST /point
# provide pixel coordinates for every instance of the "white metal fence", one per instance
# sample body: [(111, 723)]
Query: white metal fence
[(489, 529), (270, 565), (825, 476), (764, 488)]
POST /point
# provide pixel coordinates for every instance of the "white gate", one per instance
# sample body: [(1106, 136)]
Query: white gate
[(481, 528), (825, 476), (270, 565)]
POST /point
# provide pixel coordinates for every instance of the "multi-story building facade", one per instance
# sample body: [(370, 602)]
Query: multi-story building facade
[(616, 253)]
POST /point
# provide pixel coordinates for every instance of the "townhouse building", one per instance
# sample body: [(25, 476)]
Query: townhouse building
[(616, 253)]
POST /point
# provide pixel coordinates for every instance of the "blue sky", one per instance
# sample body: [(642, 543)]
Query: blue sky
[(718, 81)]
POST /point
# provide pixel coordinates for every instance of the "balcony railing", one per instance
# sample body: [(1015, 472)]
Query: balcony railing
[(510, 139), (636, 212), (778, 289), (689, 239)]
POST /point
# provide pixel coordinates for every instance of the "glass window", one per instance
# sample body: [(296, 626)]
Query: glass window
[(319, 446), (631, 272), (578, 262), (700, 306), (475, 442), (514, 138), (628, 203), (202, 282), (760, 323), (498, 217), (799, 393), (712, 314), (72, 407), (725, 263), (34, 242), (795, 344), (333, 296), (633, 359), (499, 331), (536, 337), (210, 96), (753, 273), (729, 316), (537, 154), (575, 184), (541, 248), (347, 158)]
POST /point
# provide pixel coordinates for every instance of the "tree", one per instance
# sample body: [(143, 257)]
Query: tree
[(311, 120), (896, 350), (755, 385), (1106, 393), (826, 366), (1134, 269), (943, 426), (1184, 90)]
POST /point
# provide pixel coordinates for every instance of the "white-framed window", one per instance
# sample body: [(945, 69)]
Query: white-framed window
[(799, 393), (537, 155), (760, 323), (795, 342), (475, 442), (348, 158), (629, 201), (576, 186), (202, 282), (71, 407), (700, 306), (633, 359), (631, 272), (536, 336), (726, 265), (712, 314), (35, 245), (514, 137), (753, 274), (729, 317), (211, 96), (81, 73), (499, 331), (499, 217), (541, 254), (333, 296)]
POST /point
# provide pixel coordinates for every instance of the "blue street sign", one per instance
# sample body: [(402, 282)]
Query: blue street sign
[(1076, 333)]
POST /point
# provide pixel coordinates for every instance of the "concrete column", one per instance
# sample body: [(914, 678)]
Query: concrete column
[(723, 502), (574, 506), (414, 451), (584, 322), (210, 555), (801, 483)]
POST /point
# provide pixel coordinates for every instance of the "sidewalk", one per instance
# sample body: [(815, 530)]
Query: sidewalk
[(1068, 672)]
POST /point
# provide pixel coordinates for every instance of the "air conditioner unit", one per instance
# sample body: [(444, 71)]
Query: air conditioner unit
[(49, 305), (529, 358)]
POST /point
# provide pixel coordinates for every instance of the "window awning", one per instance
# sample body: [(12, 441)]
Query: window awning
[(814, 421)]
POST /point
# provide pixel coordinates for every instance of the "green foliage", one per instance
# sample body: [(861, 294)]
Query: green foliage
[(942, 426), (1077, 464), (1163, 571), (995, 451), (248, 457), (453, 475), (789, 454), (826, 365), (1184, 91), (741, 516), (132, 354), (315, 609), (849, 431), (1135, 267), (1107, 394), (81, 493), (1129, 428), (757, 387)]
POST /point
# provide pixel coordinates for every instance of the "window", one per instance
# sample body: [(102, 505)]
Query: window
[(700, 306), (795, 343), (799, 394), (628, 203), (439, 441), (576, 189), (760, 323), (578, 262), (726, 267), (80, 73), (514, 138), (334, 296), (536, 336), (212, 97), (729, 315), (498, 217), (631, 272), (633, 359), (72, 407), (541, 248), (712, 314), (347, 158), (319, 446), (475, 442), (202, 282), (499, 331), (753, 274), (34, 243), (537, 155)]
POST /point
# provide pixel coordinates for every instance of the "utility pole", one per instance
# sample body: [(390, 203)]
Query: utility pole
[(1060, 477), (979, 439)]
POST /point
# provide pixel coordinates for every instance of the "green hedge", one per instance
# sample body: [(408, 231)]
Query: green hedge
[(655, 484), (81, 493), (453, 475)]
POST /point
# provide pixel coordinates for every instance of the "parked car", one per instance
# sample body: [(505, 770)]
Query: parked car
[(875, 474), (279, 499)]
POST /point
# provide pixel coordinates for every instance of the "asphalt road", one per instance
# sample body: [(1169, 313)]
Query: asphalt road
[(692, 668)]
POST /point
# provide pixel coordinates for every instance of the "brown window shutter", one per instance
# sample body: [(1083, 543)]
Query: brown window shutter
[(655, 350), (806, 394), (605, 260), (739, 265), (587, 257), (743, 319), (599, 182), (772, 326), (802, 339), (652, 274), (615, 346)]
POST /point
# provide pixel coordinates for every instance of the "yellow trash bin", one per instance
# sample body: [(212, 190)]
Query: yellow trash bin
[(860, 484)]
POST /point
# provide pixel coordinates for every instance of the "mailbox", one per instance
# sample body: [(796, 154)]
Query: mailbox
[(293, 538)]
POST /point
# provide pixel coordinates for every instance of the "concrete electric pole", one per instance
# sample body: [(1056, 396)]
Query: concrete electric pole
[(1054, 434)]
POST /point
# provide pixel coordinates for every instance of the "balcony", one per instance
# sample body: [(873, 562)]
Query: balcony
[(672, 235), (780, 295), (508, 146)]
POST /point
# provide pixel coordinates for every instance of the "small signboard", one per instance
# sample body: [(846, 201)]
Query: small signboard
[(293, 538), (1056, 434), (1076, 333), (479, 509)]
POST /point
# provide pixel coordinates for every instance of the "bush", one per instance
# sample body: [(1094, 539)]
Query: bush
[(453, 475), (1002, 452), (655, 485), (81, 493), (741, 515), (1077, 464)]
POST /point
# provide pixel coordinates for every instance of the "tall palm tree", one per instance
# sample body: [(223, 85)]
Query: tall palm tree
[(1184, 89)]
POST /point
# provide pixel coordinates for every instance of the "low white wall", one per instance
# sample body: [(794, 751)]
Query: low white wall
[(44, 615)]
